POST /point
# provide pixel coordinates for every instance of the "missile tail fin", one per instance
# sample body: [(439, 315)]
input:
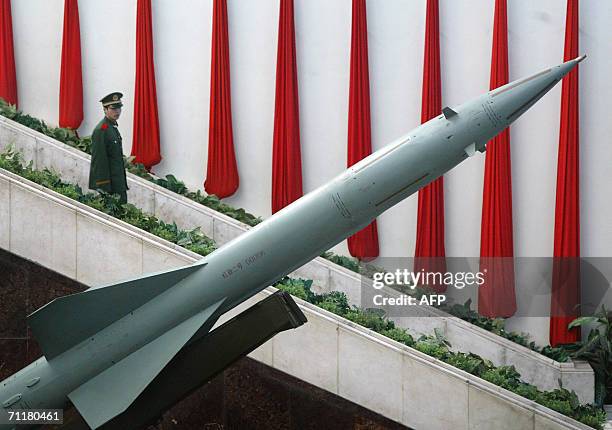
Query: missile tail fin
[(111, 392), (448, 112), (65, 322), (470, 150)]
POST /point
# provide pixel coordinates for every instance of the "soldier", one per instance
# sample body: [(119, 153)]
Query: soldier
[(107, 171)]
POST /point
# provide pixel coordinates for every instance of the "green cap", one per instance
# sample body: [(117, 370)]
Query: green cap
[(112, 100)]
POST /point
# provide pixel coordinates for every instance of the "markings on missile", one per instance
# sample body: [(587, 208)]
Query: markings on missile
[(341, 206), (240, 265), (253, 258), (493, 117), (402, 189)]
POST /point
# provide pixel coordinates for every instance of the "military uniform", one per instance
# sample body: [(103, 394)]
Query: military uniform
[(107, 171)]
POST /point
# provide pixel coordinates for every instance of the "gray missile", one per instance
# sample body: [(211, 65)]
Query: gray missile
[(104, 346)]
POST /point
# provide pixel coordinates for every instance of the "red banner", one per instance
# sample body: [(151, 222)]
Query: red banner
[(364, 243), (566, 252), (286, 155), (496, 297), (8, 78), (222, 171), (145, 141), (430, 215), (71, 76)]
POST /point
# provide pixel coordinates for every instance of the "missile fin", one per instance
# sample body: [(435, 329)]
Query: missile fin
[(448, 112), (111, 392), (67, 321), (470, 149)]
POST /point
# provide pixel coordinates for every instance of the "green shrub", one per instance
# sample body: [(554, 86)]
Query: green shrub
[(335, 302), (497, 326), (202, 249), (597, 350), (369, 319), (431, 349), (346, 262), (297, 287), (528, 391), (470, 363), (68, 190), (400, 335), (172, 184), (503, 376)]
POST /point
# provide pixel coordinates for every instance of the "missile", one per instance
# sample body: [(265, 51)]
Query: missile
[(104, 346)]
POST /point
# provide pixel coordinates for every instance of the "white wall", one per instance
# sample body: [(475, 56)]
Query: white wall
[(182, 32)]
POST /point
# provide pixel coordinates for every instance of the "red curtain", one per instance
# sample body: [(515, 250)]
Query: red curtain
[(145, 141), (364, 243), (566, 253), (286, 156), (429, 251), (8, 78), (222, 171), (496, 297), (71, 78)]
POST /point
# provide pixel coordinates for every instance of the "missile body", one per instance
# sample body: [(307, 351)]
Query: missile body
[(102, 347)]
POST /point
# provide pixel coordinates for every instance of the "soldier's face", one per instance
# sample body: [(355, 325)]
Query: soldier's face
[(113, 113)]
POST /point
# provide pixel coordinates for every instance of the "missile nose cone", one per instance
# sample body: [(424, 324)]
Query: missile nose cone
[(569, 65), (513, 99)]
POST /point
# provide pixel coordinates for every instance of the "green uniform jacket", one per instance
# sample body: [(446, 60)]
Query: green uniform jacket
[(107, 171)]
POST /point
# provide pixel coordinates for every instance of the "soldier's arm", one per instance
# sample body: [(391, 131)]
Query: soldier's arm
[(99, 158)]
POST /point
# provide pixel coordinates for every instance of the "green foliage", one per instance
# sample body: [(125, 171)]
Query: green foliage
[(216, 204), (172, 184), (503, 376), (470, 363), (597, 350), (346, 262), (11, 160), (400, 335), (201, 248), (138, 169), (369, 319), (335, 302), (69, 190), (528, 391), (437, 346), (194, 239), (497, 326), (590, 415), (297, 287), (436, 351)]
